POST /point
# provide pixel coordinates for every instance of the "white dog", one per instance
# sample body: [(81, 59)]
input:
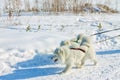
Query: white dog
[(83, 42), (82, 38), (86, 44), (71, 57), (75, 52)]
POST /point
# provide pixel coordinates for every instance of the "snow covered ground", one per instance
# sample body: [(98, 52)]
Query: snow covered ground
[(26, 55)]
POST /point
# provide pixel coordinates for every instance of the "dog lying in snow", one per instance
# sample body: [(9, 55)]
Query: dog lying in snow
[(70, 54)]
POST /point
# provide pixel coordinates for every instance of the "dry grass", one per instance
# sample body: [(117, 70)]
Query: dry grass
[(75, 7), (106, 9), (56, 6)]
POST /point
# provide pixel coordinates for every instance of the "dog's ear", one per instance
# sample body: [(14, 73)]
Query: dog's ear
[(62, 43), (56, 51), (60, 50)]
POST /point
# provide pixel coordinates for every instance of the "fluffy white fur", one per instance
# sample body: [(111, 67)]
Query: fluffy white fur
[(85, 43), (71, 57)]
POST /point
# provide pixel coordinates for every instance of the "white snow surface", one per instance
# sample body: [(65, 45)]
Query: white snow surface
[(26, 55)]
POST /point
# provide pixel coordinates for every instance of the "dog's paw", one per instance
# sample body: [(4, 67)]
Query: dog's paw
[(96, 65), (79, 67), (64, 73), (61, 73)]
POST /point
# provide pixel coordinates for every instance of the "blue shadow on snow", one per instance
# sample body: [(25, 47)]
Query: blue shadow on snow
[(29, 72), (38, 60), (108, 52)]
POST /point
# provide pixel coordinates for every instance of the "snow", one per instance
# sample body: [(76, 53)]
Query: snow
[(26, 55)]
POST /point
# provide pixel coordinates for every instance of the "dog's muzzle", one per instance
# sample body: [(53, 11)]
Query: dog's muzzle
[(54, 59)]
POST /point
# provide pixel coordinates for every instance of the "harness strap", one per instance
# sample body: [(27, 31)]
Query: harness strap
[(78, 49)]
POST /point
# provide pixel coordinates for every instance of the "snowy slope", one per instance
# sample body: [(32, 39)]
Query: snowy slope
[(26, 55)]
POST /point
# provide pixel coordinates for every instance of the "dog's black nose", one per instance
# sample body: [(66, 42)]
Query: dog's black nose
[(55, 60)]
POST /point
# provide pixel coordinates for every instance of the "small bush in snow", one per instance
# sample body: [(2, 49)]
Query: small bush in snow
[(28, 28), (99, 26), (39, 27), (62, 27)]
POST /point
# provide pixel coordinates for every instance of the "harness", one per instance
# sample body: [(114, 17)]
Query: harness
[(78, 49)]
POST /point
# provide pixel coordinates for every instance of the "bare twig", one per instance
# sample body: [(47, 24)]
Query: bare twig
[(105, 31)]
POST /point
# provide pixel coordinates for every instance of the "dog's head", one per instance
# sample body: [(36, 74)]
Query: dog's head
[(58, 56)]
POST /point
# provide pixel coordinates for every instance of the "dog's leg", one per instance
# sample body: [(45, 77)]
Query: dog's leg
[(78, 66), (95, 61), (80, 61), (93, 58), (67, 69), (83, 61)]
